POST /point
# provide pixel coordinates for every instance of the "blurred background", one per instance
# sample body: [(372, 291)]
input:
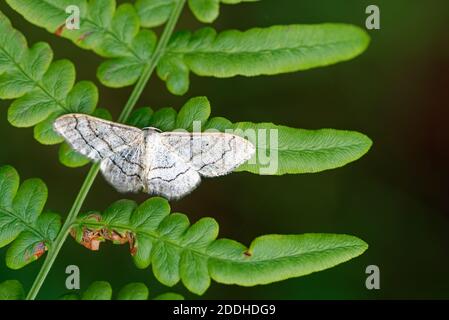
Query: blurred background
[(395, 198)]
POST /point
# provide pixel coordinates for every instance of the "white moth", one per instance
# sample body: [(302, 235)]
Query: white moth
[(168, 164)]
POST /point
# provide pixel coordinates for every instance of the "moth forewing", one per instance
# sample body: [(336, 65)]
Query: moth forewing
[(96, 138), (212, 154)]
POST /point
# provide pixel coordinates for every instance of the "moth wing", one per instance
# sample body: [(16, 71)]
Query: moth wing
[(211, 154), (96, 138), (125, 170), (169, 175)]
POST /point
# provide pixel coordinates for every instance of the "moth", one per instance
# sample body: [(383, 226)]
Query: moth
[(168, 164)]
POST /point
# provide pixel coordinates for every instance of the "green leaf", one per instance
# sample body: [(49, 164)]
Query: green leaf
[(208, 10), (258, 51), (44, 133), (141, 117), (83, 98), (102, 290), (44, 90), (103, 114), (21, 222), (133, 291), (279, 149), (205, 10), (164, 119), (283, 150), (191, 254), (120, 72), (154, 13), (110, 31), (11, 290), (196, 109), (169, 296), (277, 257), (99, 290), (70, 158)]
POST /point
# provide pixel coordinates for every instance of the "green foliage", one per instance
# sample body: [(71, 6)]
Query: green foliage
[(102, 290), (261, 51), (298, 150), (208, 10), (44, 90), (21, 222), (191, 253), (196, 109), (133, 291), (11, 290), (169, 296), (154, 13), (98, 290), (304, 151), (110, 31)]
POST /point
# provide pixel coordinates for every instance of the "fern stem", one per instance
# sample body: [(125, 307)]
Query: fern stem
[(93, 172)]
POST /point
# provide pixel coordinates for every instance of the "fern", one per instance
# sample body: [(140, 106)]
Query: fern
[(21, 222), (192, 254), (154, 13), (269, 51), (298, 150), (43, 89), (260, 51), (108, 31), (98, 290), (102, 290)]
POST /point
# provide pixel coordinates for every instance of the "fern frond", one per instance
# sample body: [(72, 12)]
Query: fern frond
[(102, 290), (98, 290), (297, 150), (43, 89), (110, 31), (22, 222), (154, 13), (260, 51), (191, 253)]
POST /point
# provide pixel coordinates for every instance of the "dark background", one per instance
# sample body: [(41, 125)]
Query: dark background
[(395, 198)]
